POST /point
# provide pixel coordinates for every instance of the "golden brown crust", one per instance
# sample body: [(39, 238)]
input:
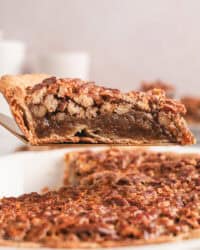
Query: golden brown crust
[(9, 82), (192, 235), (14, 90), (78, 99)]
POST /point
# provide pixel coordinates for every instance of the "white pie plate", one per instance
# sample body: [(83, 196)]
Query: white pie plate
[(32, 171)]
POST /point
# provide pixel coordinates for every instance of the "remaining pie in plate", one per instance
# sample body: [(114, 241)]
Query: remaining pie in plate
[(86, 167), (51, 110), (133, 197), (192, 105), (168, 88)]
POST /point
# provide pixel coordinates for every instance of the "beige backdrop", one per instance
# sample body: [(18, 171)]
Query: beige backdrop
[(129, 40)]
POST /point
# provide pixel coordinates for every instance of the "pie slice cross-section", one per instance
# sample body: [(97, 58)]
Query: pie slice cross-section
[(51, 110)]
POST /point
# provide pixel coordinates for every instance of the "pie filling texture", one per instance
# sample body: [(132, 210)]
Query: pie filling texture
[(121, 197), (134, 124), (52, 110), (71, 108)]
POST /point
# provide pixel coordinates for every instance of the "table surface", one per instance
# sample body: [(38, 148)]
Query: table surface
[(8, 143)]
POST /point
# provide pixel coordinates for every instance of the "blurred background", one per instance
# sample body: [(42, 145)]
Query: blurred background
[(127, 40), (117, 43)]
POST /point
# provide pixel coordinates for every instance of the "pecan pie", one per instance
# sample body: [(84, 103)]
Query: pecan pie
[(51, 110), (192, 105), (132, 197), (168, 88), (88, 166)]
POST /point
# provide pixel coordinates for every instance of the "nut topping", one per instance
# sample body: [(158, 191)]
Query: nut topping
[(60, 117), (107, 115), (120, 197), (51, 103), (39, 111)]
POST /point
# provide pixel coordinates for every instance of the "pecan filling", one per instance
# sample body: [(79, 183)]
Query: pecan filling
[(133, 124), (72, 109)]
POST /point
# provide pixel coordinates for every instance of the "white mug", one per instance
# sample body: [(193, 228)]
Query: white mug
[(12, 57), (64, 64)]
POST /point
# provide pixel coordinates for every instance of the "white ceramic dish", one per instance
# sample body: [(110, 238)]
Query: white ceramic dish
[(32, 171)]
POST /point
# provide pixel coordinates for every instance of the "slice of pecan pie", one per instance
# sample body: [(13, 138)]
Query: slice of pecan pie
[(51, 110), (192, 105), (132, 197), (168, 88)]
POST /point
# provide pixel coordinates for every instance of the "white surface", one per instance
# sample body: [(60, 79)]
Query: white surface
[(41, 169), (11, 179), (129, 40), (8, 143), (4, 106)]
